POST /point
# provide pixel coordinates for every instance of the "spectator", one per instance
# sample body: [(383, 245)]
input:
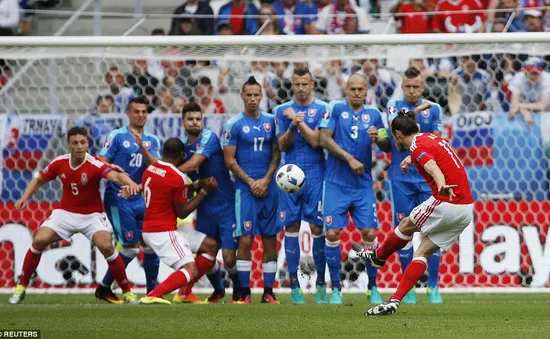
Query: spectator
[(195, 7), (334, 77), (164, 101), (260, 72), (235, 12), (500, 24), (105, 104), (118, 90), (140, 80), (517, 22), (475, 85), (153, 66), (205, 95), (380, 82), (186, 26), (342, 17), (412, 23), (280, 89), (530, 90), (532, 20), (457, 22), (268, 14), (9, 17), (179, 102), (224, 28), (287, 10)]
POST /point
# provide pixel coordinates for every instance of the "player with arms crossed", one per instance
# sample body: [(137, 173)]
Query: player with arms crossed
[(126, 216), (410, 190), (80, 210), (440, 219), (216, 214), (298, 135), (348, 132), (165, 192), (252, 154)]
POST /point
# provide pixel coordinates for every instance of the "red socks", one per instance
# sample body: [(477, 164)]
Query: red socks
[(393, 243), (32, 259), (174, 280), (118, 269), (204, 263), (414, 271)]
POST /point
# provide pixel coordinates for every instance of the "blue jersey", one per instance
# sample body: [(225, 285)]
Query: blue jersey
[(254, 139), (120, 148), (350, 133), (428, 121), (209, 146), (301, 153)]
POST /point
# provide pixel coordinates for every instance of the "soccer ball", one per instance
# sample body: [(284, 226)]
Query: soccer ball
[(290, 178)]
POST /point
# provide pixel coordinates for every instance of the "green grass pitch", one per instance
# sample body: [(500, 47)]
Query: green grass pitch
[(461, 316)]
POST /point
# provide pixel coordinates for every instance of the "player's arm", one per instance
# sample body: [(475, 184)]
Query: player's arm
[(274, 163), (431, 167), (192, 164), (437, 127), (123, 180), (379, 134), (31, 189), (150, 157), (183, 209), (311, 135), (231, 164), (286, 133), (327, 142)]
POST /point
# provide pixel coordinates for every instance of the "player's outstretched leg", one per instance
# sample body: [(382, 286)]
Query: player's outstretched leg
[(320, 264), (292, 252), (434, 297), (405, 257), (269, 267), (103, 291), (185, 274), (333, 255), (204, 263)]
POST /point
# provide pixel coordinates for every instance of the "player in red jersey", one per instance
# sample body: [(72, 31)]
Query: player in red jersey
[(80, 210), (165, 191), (440, 219)]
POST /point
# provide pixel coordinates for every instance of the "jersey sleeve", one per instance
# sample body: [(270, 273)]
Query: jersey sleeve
[(180, 193), (49, 173), (378, 123), (209, 147), (230, 134), (437, 126), (329, 118), (421, 154), (281, 124), (110, 146)]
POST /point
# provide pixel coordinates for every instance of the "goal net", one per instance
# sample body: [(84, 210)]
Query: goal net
[(49, 84)]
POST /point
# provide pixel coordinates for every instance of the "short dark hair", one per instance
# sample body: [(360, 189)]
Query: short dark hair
[(137, 100), (301, 71), (173, 148), (158, 31), (251, 82), (76, 130), (190, 107), (405, 122), (412, 72)]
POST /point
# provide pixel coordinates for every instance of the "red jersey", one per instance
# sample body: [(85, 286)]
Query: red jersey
[(457, 22), (415, 21), (163, 185), (80, 184), (426, 147)]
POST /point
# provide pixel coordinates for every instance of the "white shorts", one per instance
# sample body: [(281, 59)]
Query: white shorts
[(65, 223), (194, 237), (441, 221), (171, 247)]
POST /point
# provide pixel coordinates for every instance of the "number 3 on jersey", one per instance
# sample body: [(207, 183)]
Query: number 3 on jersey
[(147, 192), (137, 160), (354, 132)]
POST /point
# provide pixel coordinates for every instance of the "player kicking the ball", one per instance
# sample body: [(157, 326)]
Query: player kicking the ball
[(80, 211), (440, 219), (165, 193)]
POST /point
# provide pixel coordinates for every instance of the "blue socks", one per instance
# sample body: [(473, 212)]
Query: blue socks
[(270, 269), (433, 269), (292, 251), (405, 256), (319, 258), (244, 267), (151, 264), (215, 278), (333, 256)]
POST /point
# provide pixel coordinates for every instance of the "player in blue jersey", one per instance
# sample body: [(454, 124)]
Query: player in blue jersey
[(410, 190), (126, 216), (298, 135), (348, 131), (216, 214), (251, 152)]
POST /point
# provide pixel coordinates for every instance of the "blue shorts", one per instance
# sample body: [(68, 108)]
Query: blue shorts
[(126, 216), (220, 226), (303, 205), (406, 196), (257, 216), (338, 200)]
